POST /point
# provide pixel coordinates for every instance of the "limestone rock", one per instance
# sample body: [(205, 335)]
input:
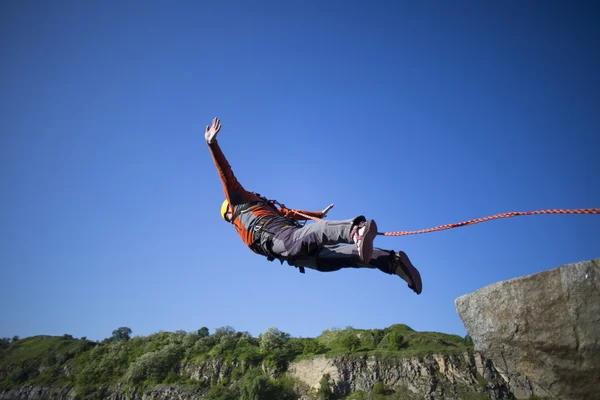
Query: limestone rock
[(542, 331), (429, 377)]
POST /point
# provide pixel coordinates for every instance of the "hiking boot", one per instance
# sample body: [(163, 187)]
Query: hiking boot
[(405, 270), (363, 235)]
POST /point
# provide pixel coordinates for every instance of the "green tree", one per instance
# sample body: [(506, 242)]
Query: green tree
[(15, 339), (224, 331), (325, 392), (123, 333), (4, 342), (203, 332), (272, 339), (350, 341)]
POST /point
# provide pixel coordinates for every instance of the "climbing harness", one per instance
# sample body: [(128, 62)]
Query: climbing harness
[(275, 203), (478, 220)]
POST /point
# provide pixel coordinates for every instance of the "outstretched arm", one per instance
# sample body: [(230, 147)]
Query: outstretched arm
[(234, 192), (293, 214)]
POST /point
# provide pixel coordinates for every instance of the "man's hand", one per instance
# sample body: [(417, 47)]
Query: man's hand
[(212, 131), (326, 210)]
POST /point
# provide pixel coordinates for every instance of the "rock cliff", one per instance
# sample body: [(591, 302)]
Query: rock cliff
[(542, 331), (430, 377)]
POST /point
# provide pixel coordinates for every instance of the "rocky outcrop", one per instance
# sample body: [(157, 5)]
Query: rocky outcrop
[(542, 331), (38, 393), (209, 372), (161, 392), (431, 377)]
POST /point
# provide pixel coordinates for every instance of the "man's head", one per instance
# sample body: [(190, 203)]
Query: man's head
[(226, 213)]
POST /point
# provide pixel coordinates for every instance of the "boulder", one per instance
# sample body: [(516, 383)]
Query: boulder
[(541, 331)]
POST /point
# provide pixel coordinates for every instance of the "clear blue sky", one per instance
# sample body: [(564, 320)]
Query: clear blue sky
[(414, 114)]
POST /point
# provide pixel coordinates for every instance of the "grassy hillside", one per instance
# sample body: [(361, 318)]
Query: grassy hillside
[(165, 357)]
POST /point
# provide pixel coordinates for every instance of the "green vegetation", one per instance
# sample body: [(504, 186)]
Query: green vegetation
[(397, 340), (250, 364), (379, 392)]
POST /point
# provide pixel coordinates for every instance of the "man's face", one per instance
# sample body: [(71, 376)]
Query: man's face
[(228, 215)]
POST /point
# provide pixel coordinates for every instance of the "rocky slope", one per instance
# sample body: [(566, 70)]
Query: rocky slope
[(432, 377)]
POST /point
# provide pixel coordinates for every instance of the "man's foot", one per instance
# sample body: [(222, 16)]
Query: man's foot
[(363, 235), (405, 270)]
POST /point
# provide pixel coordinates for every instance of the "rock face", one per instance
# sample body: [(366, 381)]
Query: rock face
[(162, 392), (431, 377), (542, 331), (38, 393)]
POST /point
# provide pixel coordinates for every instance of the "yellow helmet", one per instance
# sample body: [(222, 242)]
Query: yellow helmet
[(224, 209)]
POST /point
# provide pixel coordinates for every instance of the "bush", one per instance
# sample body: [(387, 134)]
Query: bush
[(18, 375), (392, 341), (222, 392), (350, 341), (378, 388), (155, 365), (190, 340), (172, 377), (313, 346), (272, 339), (227, 344), (102, 364), (256, 386), (202, 346), (49, 358), (325, 392)]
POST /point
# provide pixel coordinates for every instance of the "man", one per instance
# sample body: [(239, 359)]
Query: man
[(274, 232)]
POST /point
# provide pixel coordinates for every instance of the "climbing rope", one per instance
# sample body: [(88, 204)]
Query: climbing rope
[(478, 220)]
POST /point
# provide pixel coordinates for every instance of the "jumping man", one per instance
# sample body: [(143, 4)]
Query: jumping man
[(274, 231)]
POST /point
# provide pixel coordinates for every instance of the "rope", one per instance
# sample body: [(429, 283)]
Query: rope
[(478, 220)]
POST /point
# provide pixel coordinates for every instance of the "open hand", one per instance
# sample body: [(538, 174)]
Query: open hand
[(211, 131), (326, 210)]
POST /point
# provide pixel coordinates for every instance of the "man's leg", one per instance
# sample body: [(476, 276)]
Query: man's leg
[(296, 242), (336, 257)]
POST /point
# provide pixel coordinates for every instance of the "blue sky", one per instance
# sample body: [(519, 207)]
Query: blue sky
[(413, 114)]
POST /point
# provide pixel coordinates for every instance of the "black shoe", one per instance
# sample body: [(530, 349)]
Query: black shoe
[(405, 270)]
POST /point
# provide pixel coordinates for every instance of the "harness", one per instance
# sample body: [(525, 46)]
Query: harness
[(259, 229), (263, 239)]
